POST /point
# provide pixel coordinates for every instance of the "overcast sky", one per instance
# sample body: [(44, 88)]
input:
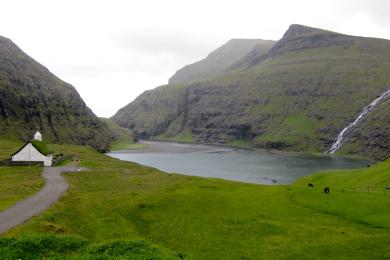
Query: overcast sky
[(112, 51)]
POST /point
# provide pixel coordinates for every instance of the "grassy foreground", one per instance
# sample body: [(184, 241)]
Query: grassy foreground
[(125, 209), (17, 183)]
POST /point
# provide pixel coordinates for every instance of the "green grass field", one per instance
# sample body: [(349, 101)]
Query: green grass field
[(17, 183), (125, 209)]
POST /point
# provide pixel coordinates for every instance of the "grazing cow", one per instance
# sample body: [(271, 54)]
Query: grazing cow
[(326, 190), (310, 185)]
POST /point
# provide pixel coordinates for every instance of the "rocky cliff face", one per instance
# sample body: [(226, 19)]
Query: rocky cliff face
[(297, 95), (31, 97), (372, 137)]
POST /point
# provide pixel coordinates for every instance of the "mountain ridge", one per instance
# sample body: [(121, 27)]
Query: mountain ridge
[(297, 96), (218, 61)]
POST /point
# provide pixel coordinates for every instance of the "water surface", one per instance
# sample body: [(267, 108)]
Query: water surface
[(263, 166)]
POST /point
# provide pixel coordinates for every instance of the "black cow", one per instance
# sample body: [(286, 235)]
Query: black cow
[(326, 190), (310, 185)]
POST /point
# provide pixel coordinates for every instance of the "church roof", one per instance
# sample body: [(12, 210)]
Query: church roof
[(40, 146)]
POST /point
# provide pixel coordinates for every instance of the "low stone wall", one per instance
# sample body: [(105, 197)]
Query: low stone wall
[(9, 162), (56, 162)]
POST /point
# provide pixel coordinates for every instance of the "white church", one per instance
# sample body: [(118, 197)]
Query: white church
[(31, 153)]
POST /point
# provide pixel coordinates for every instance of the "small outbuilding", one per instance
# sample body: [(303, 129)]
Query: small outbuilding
[(34, 151)]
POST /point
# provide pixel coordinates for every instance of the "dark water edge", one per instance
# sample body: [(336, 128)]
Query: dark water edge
[(250, 166)]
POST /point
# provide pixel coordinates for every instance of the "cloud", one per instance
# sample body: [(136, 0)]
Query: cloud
[(112, 51), (376, 10)]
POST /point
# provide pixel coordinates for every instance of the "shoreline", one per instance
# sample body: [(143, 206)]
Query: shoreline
[(150, 142), (257, 166)]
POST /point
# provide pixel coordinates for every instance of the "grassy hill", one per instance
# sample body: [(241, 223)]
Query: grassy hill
[(299, 95), (351, 193), (122, 209), (31, 97)]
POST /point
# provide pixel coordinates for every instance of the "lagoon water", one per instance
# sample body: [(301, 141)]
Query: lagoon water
[(265, 167)]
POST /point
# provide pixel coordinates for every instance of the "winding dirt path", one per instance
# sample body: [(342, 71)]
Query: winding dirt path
[(22, 211)]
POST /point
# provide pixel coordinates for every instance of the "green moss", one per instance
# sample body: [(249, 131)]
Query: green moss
[(42, 147)]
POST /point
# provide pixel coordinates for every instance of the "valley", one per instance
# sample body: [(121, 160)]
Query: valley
[(230, 160)]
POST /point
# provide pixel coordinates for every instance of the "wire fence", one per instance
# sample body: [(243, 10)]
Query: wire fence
[(369, 189)]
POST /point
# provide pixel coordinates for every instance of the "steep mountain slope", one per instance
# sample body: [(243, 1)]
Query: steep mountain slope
[(299, 95), (31, 97), (152, 112), (372, 137), (121, 136), (220, 61)]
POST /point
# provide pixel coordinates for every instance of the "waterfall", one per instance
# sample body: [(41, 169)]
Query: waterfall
[(341, 137)]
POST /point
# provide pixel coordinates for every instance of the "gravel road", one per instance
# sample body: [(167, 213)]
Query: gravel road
[(22, 211)]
